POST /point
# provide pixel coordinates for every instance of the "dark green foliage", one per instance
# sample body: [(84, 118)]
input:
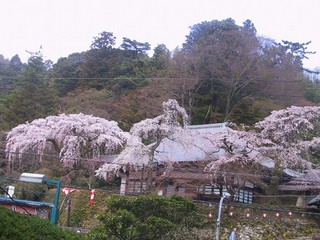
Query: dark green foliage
[(298, 50), (312, 86), (16, 226), (209, 101), (313, 94), (148, 217), (105, 40), (32, 102), (252, 111), (229, 69), (133, 45), (199, 32), (29, 191), (32, 97), (16, 64), (227, 58), (67, 71), (161, 60), (237, 68)]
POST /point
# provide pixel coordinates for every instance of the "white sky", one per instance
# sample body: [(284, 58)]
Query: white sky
[(63, 27)]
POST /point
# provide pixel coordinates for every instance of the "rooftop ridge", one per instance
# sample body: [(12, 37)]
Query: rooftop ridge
[(206, 126)]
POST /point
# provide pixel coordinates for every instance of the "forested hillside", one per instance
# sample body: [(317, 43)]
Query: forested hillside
[(223, 72)]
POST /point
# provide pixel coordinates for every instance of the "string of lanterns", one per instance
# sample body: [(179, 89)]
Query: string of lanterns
[(263, 215)]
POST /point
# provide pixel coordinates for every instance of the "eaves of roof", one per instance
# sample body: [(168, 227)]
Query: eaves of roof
[(15, 201)]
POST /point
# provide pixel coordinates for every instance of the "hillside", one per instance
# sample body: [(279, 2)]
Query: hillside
[(223, 72)]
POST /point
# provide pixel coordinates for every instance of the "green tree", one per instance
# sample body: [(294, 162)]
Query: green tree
[(15, 63), (297, 50), (283, 69), (228, 61), (235, 68), (311, 82), (17, 226), (133, 45), (33, 97), (148, 217), (248, 25), (201, 31), (109, 68), (161, 58), (66, 73), (4, 63), (105, 40)]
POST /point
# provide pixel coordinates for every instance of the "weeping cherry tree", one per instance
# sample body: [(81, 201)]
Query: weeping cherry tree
[(71, 138), (145, 137)]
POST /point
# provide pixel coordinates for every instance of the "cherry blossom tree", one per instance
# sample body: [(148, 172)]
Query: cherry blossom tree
[(145, 137), (160, 140), (287, 139), (72, 137), (290, 137), (240, 148), (295, 132), (292, 125)]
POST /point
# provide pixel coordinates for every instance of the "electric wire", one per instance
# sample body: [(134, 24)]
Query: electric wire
[(61, 81), (199, 202), (13, 200), (117, 190), (181, 171)]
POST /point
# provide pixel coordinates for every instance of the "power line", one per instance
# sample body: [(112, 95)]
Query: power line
[(181, 170), (189, 188), (209, 203), (16, 202), (180, 78)]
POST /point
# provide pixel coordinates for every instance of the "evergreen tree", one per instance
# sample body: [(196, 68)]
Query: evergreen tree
[(33, 97)]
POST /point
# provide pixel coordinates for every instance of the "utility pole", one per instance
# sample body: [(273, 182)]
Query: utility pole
[(68, 212), (225, 195)]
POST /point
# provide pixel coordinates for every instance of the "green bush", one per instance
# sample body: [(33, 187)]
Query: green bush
[(16, 226), (147, 217)]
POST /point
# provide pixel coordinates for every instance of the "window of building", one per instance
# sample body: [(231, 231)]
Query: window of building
[(170, 190), (244, 196)]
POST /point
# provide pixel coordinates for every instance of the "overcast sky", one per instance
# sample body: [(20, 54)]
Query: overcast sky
[(63, 27)]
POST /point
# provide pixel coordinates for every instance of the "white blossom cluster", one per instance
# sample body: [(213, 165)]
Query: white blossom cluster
[(291, 125), (295, 133), (239, 147), (137, 153), (163, 125), (289, 138), (72, 136)]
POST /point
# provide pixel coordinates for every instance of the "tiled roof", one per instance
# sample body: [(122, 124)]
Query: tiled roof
[(179, 150), (303, 182)]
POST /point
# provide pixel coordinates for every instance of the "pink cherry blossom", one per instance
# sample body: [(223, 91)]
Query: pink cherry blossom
[(72, 136)]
